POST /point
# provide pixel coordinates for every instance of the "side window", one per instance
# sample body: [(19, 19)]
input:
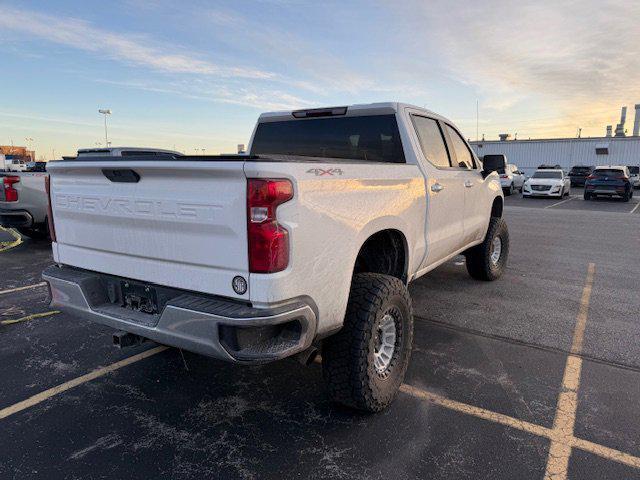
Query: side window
[(431, 141), (465, 159)]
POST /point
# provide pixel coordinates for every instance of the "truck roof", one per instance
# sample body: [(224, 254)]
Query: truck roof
[(359, 109)]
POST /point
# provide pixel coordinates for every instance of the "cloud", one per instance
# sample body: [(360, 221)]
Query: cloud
[(135, 49), (247, 96), (578, 57)]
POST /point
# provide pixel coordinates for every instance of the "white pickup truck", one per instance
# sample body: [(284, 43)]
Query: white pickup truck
[(307, 243)]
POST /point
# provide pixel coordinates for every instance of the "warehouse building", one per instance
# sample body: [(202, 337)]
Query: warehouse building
[(612, 149)]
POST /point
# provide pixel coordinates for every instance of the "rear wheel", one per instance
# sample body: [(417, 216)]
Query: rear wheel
[(626, 197), (364, 363), (488, 260), (587, 196)]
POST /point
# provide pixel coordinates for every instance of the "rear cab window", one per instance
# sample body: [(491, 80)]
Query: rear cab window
[(372, 138)]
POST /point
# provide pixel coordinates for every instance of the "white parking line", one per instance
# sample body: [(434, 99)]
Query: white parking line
[(42, 396), (560, 203), (635, 208), (19, 289), (564, 422), (4, 246)]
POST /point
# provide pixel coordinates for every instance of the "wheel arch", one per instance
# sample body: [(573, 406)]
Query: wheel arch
[(497, 207), (385, 251)]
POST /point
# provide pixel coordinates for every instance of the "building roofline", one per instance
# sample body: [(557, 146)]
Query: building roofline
[(529, 140)]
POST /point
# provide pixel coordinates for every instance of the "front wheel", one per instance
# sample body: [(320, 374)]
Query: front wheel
[(364, 363), (488, 260)]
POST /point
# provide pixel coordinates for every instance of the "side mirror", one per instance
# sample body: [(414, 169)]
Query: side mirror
[(493, 163)]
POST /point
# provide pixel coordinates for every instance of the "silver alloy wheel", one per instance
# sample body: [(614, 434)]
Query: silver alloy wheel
[(385, 344), (496, 250)]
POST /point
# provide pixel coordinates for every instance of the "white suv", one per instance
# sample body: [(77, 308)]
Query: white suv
[(511, 179), (634, 176)]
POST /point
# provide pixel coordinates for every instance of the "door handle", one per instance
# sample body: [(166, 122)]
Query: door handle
[(468, 183), (436, 187)]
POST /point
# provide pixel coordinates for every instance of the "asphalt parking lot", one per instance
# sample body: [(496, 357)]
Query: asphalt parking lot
[(535, 374)]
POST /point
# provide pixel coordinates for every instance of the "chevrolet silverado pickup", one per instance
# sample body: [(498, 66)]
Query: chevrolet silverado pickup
[(306, 244)]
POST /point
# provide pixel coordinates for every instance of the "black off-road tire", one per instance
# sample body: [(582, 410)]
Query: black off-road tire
[(478, 258), (348, 356)]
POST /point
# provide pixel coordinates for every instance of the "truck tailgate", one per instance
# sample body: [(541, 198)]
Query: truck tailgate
[(182, 224)]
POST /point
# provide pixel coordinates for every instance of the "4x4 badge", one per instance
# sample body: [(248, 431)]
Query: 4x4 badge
[(320, 172)]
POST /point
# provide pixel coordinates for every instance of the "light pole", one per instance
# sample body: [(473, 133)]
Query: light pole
[(28, 141), (105, 112)]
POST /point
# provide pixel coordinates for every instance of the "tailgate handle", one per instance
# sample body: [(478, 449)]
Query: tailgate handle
[(122, 175)]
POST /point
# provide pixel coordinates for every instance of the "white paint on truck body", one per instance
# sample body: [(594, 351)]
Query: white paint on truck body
[(184, 224)]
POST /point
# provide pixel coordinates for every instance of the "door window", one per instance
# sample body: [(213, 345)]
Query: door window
[(431, 141), (463, 154)]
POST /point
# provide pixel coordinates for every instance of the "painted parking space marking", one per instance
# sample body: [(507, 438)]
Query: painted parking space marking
[(4, 246), (635, 208), (99, 372), (29, 317), (20, 289), (551, 433), (561, 202), (561, 435), (564, 422)]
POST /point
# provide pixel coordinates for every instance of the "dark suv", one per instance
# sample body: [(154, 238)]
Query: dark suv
[(609, 182), (579, 174)]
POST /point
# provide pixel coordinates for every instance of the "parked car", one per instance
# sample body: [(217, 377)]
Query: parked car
[(24, 203), (36, 167), (609, 181), (579, 174), (547, 183), (511, 179), (306, 243), (634, 176)]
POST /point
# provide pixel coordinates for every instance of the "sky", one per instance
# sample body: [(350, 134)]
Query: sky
[(194, 75)]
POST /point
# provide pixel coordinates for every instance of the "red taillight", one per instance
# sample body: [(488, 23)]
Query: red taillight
[(10, 193), (268, 241), (52, 230), (591, 177), (504, 176)]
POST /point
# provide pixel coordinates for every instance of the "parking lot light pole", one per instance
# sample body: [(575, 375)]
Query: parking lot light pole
[(105, 112)]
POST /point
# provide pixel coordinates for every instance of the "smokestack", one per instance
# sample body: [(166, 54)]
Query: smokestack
[(636, 122), (620, 126), (609, 130)]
